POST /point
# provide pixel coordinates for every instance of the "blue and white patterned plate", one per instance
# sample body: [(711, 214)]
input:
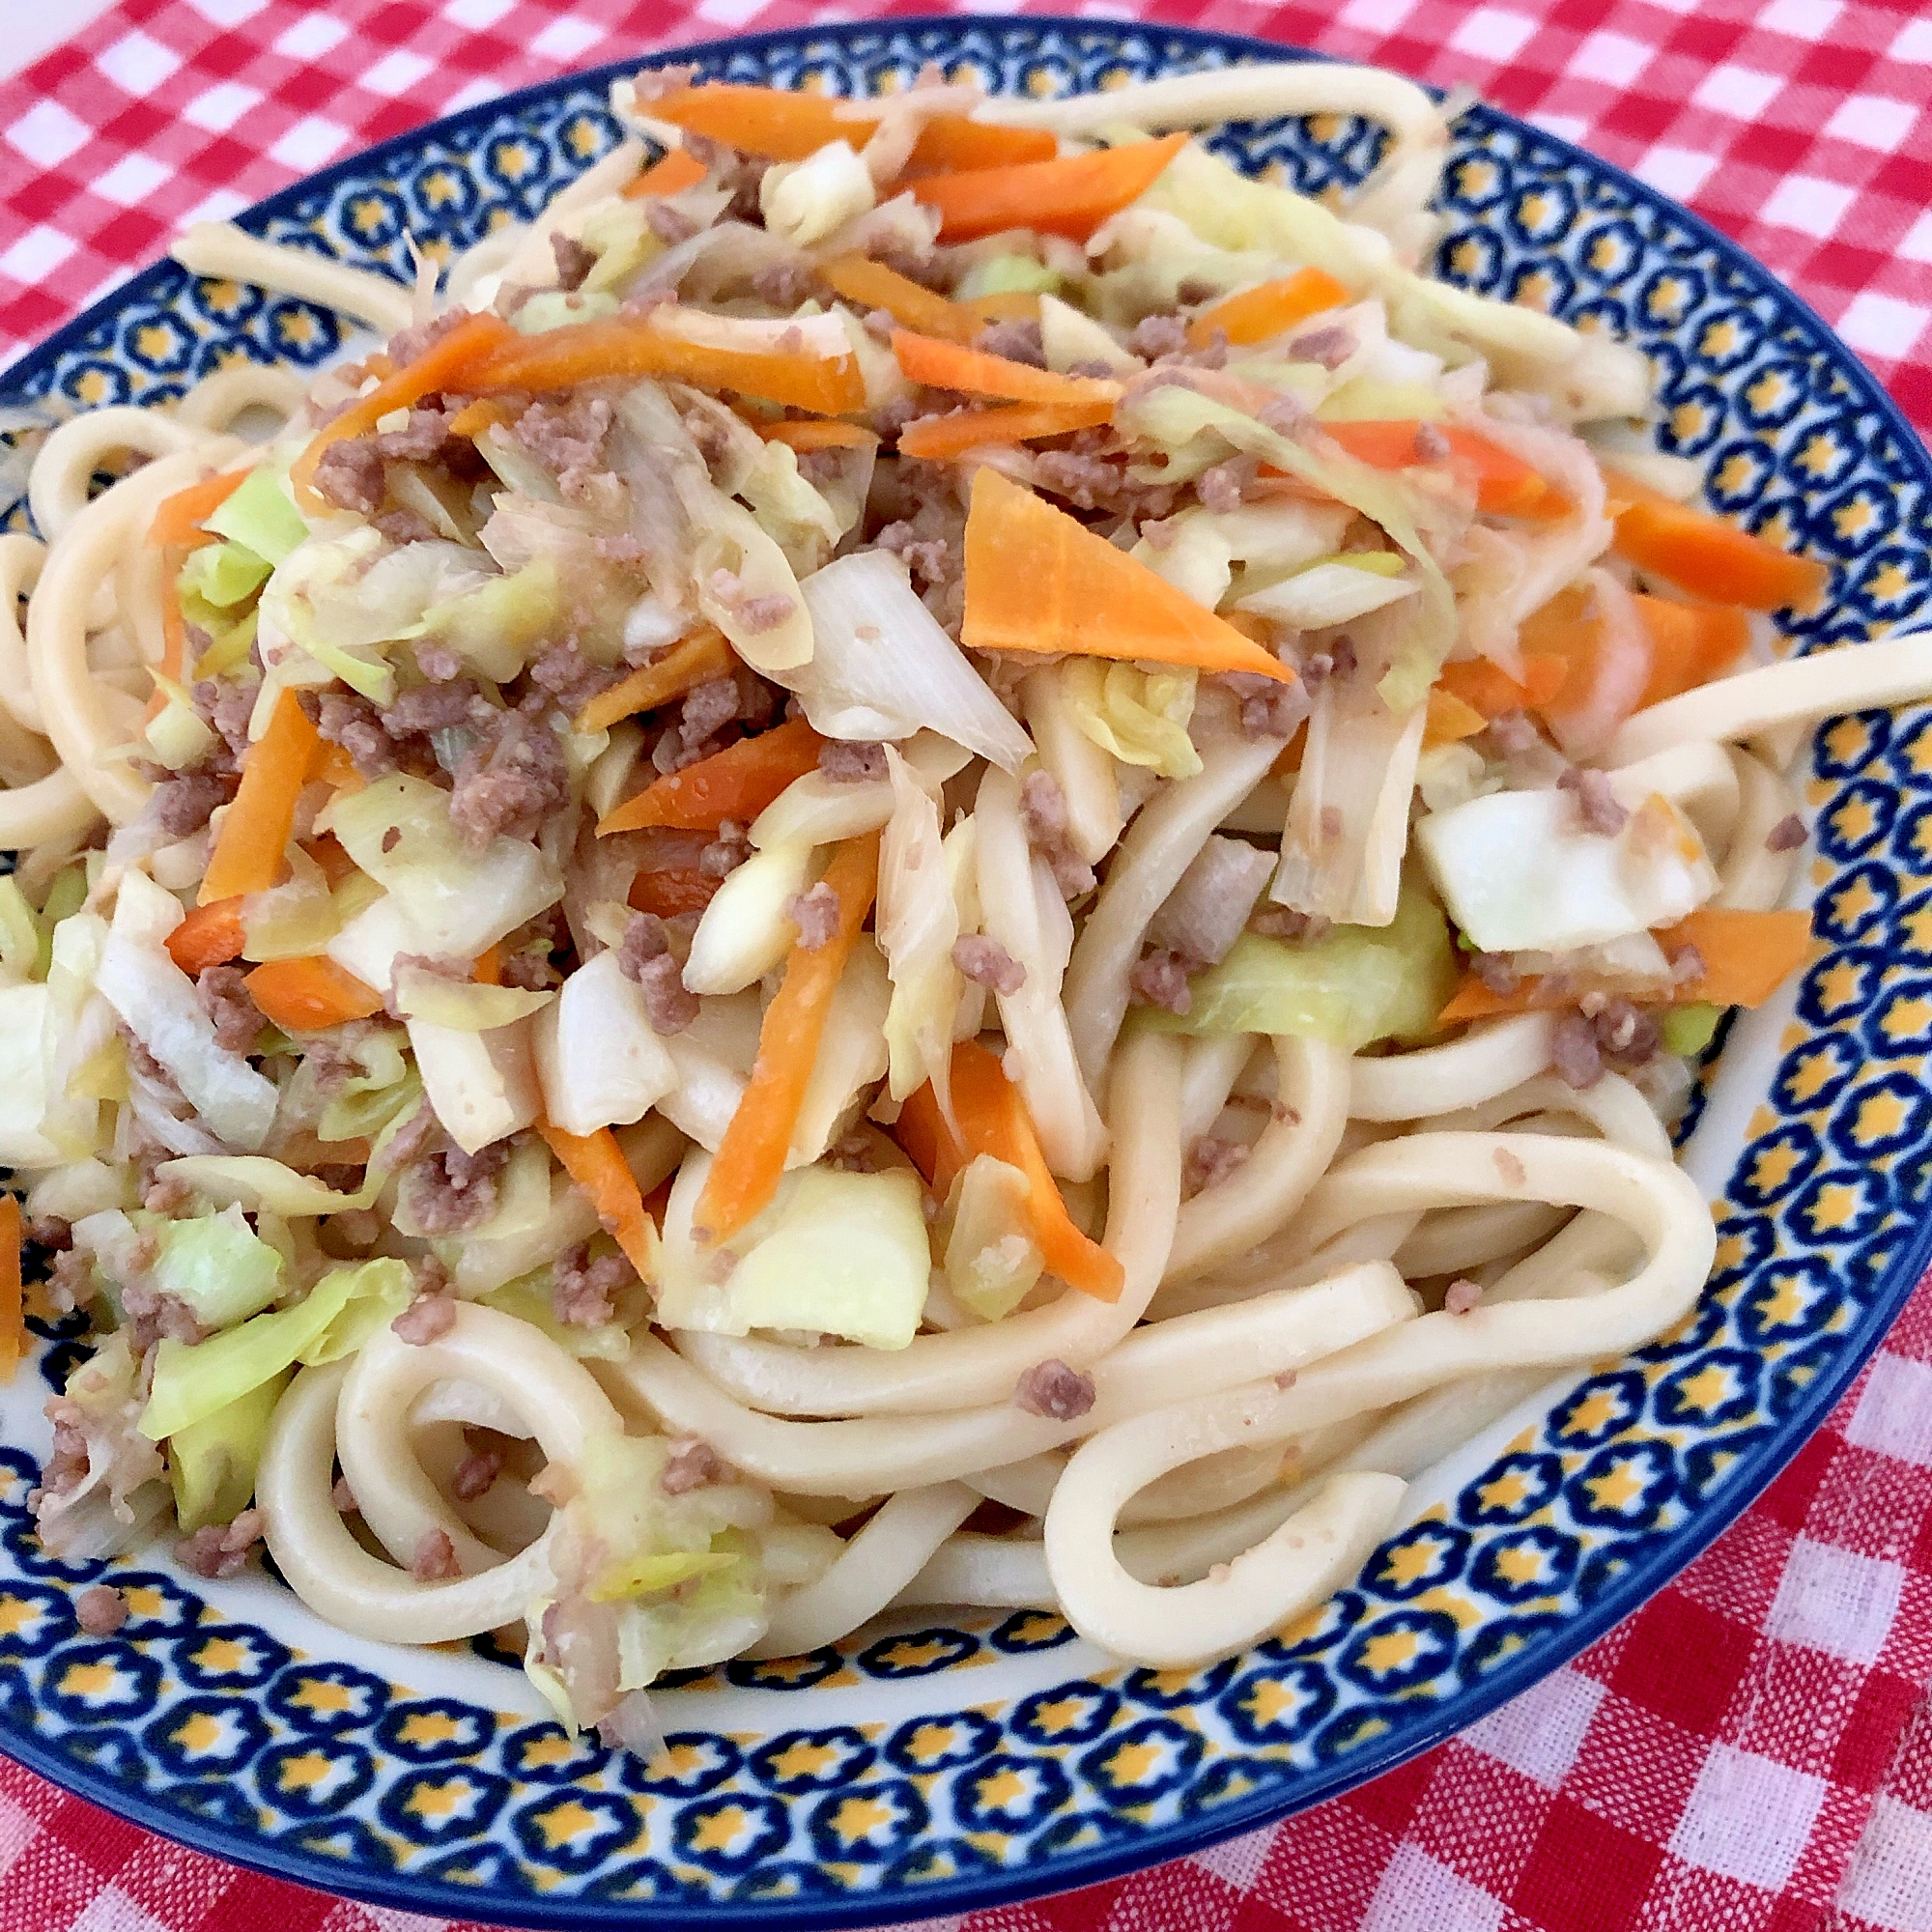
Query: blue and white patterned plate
[(932, 1767)]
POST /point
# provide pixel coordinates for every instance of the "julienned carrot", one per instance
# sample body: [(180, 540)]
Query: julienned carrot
[(973, 372), (596, 1164), (443, 365), (1707, 555), (1506, 486), (938, 438), (1489, 690), (737, 782), (332, 855), (752, 1156), (868, 285), (1746, 955), (589, 351), (488, 970), (12, 1308), (1690, 644), (178, 519), (690, 661), (335, 768), (670, 890), (254, 835), (208, 936), (992, 1119), (1449, 719), (678, 169), (951, 142), (1039, 581), (310, 995), (1070, 195), (1003, 306), (474, 417), (818, 433), (1259, 314)]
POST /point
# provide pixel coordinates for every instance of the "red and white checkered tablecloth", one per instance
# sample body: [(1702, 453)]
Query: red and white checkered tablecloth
[(1753, 1752)]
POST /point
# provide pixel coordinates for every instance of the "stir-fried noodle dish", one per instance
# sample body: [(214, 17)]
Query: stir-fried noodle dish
[(928, 857)]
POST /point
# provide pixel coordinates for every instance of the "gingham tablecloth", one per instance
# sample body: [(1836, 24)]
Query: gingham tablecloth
[(1753, 1752)]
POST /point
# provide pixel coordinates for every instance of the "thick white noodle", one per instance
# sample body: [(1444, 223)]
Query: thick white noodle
[(20, 560), (223, 253), (62, 474), (1487, 1060), (217, 400), (1213, 1063), (1752, 878)]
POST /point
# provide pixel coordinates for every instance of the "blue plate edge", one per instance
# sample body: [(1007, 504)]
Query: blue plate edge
[(1073, 1871)]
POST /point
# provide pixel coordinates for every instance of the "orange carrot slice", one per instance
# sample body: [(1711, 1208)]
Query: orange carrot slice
[(690, 661), (1039, 581), (677, 169), (992, 1118), (596, 1164), (1706, 554), (310, 995), (254, 835), (1260, 314), (1449, 719), (973, 372), (13, 1304), (752, 1156), (208, 936), (1506, 486), (178, 519), (867, 285), (670, 890), (1070, 195), (1690, 644), (939, 439), (823, 432), (737, 782), (1489, 690)]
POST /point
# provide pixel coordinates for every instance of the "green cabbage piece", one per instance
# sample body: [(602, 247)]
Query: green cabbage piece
[(223, 575), (552, 308), (261, 516), (494, 626), (1140, 715), (19, 934), (217, 1267), (370, 1100), (528, 1297), (65, 897), (212, 1463), (1006, 275), (1688, 1029), (1356, 985), (341, 1311)]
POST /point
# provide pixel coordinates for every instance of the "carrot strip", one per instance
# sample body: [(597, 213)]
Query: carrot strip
[(207, 936), (938, 438), (1506, 486), (178, 519), (335, 768), (752, 1156), (992, 1118), (1003, 306), (690, 661), (1039, 581), (670, 890), (868, 285), (445, 363), (1690, 644), (474, 417), (677, 168), (1746, 955), (247, 855), (822, 433), (955, 142), (13, 1304), (1706, 554), (328, 852), (1489, 690), (310, 995), (588, 351), (737, 782), (488, 970), (973, 372), (1449, 719), (1070, 195), (1260, 314), (596, 1165)]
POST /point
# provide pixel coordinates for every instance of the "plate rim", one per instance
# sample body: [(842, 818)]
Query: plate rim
[(991, 1888)]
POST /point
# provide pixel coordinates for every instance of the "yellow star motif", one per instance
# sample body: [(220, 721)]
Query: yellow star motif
[(1618, 1488), (1786, 1304), (1508, 1490), (542, 1752), (91, 389), (1409, 1563), (1001, 1788), (931, 1741), (1719, 339), (805, 1760), (1709, 1388), (1269, 1699), (323, 1698), (1666, 296), (1605, 253), (441, 1800), (1819, 455), (1890, 581), (1838, 985), (1596, 1411), (1836, 1207), (1687, 420), (1773, 1166), (1477, 177), (223, 1653), (16, 1614), (1466, 258), (1854, 519), (1736, 475), (1767, 392), (430, 1727), (570, 1820), (1881, 1116), (911, 1653), (860, 1817), (1522, 1564), (88, 1680), (1533, 209), (201, 1732), (1904, 1018), (1170, 1683), (1855, 902), (1390, 1650), (153, 341), (304, 1773), (1847, 741), (1854, 819), (1132, 1763)]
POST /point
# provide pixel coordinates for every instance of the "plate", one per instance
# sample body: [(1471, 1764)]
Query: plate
[(923, 1768)]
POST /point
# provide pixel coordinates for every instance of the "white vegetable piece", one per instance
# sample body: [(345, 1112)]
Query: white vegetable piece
[(480, 1086), (807, 202), (24, 1011), (1068, 336), (599, 1062), (1328, 594), (851, 1052), (744, 932), (1518, 873)]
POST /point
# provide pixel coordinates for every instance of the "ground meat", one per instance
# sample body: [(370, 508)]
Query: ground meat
[(424, 437), (692, 1464), (1461, 1296), (101, 1610), (349, 474), (1016, 341), (569, 676), (435, 1559), (1331, 346), (1090, 482), (784, 284), (566, 438), (428, 1318), (708, 708), (670, 225), (1053, 1390), (478, 1470), (404, 526), (507, 787), (1226, 485), (1513, 732), (1284, 923), (152, 1316), (750, 613), (228, 708), (1157, 335), (1043, 813), (1204, 915), (1161, 980), (438, 707), (1430, 444), (1578, 1062), (725, 853), (846, 764), (1210, 1160), (407, 344), (411, 1137), (987, 963), (220, 1549), (1496, 970), (574, 261), (344, 1497), (69, 1281), (453, 1190), (184, 804), (582, 1286), (356, 726), (816, 914), (1625, 1036), (1786, 835), (225, 1000), (645, 957), (1596, 803)]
